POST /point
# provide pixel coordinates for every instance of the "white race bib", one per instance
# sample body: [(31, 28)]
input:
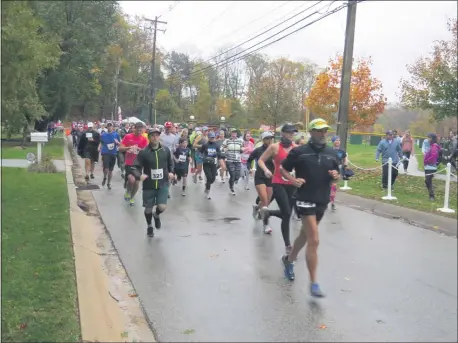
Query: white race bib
[(305, 204), (157, 174), (88, 135), (237, 156), (110, 146), (182, 158)]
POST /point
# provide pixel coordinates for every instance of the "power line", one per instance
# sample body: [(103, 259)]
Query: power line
[(262, 33), (170, 8), (262, 16), (227, 62)]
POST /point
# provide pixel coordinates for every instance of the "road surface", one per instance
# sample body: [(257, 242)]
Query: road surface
[(210, 274)]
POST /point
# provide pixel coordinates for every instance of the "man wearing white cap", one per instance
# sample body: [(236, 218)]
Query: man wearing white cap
[(88, 149)]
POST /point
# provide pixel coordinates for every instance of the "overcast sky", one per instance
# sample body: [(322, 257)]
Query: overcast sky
[(393, 33)]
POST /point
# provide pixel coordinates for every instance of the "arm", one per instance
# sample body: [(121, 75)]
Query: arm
[(264, 157), (138, 166), (345, 160), (378, 151), (251, 158), (123, 147), (287, 167), (203, 149), (169, 163), (196, 142), (218, 152), (82, 143)]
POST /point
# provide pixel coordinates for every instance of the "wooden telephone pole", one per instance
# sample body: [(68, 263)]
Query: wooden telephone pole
[(344, 100), (153, 67)]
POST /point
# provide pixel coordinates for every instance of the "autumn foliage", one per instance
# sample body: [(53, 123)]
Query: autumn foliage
[(366, 97)]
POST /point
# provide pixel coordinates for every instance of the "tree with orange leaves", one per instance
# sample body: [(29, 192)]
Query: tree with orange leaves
[(366, 97)]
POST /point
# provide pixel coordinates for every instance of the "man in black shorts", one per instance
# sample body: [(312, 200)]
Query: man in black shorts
[(316, 166), (88, 149)]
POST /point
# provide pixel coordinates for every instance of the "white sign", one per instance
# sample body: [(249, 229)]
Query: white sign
[(41, 137)]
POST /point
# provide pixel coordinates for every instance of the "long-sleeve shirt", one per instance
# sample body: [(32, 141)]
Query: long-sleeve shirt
[(407, 144), (233, 148), (157, 164), (87, 145), (389, 149), (210, 152), (247, 149), (425, 146), (431, 157)]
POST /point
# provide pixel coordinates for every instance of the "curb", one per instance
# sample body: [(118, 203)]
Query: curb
[(109, 309)]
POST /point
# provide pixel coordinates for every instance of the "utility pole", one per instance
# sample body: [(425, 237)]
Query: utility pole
[(116, 92), (344, 100), (153, 62)]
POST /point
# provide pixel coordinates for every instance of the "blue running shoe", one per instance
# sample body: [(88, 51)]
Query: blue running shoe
[(289, 268), (315, 291)]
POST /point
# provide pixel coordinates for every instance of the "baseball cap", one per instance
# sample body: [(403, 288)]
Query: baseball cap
[(267, 134), (90, 124), (389, 132), (139, 124), (288, 128), (334, 138), (154, 130), (233, 129), (211, 134), (205, 128), (318, 124)]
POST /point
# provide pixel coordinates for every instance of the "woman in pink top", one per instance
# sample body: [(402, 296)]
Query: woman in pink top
[(248, 148), (407, 146)]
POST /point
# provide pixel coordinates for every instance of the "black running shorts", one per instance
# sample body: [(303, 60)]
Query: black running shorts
[(181, 173), (305, 208), (262, 180), (109, 161)]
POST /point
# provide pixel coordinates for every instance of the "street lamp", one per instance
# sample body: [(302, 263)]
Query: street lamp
[(191, 118), (222, 119)]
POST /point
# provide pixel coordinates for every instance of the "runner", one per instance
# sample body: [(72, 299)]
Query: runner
[(283, 190), (262, 183), (210, 155), (222, 163), (182, 156), (131, 144), (122, 131), (169, 139), (88, 149), (233, 147), (109, 142), (156, 163), (343, 161), (248, 147), (201, 139), (316, 166)]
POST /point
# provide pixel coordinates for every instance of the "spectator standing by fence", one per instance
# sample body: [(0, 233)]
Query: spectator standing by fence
[(407, 146), (430, 162), (389, 147)]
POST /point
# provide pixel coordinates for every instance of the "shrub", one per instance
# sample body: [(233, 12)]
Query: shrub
[(46, 165)]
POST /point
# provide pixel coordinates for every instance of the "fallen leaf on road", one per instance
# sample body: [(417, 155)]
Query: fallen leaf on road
[(189, 331), (23, 326), (133, 295), (323, 326), (436, 227)]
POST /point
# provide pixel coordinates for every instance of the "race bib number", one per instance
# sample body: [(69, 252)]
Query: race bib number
[(182, 158), (237, 156), (157, 174), (88, 135), (305, 204), (110, 146)]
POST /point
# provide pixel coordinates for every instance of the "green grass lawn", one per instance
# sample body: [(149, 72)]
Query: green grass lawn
[(410, 190), (39, 298), (12, 150)]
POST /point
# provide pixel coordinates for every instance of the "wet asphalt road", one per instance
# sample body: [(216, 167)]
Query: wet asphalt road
[(204, 278)]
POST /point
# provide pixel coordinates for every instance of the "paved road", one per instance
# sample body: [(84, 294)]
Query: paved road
[(203, 278), (60, 164)]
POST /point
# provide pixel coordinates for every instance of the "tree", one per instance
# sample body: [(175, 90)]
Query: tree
[(27, 52), (366, 98), (433, 83)]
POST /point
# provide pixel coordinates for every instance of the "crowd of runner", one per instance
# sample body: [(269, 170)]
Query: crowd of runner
[(299, 175)]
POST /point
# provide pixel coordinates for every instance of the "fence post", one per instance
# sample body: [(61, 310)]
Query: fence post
[(446, 209), (390, 169)]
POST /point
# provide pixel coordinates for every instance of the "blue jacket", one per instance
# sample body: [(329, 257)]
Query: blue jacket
[(387, 150)]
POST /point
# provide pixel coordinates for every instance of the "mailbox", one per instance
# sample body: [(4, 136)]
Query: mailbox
[(39, 137)]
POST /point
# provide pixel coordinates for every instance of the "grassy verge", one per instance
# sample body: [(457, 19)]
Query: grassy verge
[(410, 191), (13, 150), (39, 301)]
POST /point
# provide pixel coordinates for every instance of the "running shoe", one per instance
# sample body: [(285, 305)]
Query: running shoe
[(255, 212), (132, 202), (333, 207), (126, 196), (183, 193), (289, 268), (315, 290), (232, 192), (92, 176), (104, 181), (267, 229), (86, 177), (157, 221), (150, 231), (108, 186)]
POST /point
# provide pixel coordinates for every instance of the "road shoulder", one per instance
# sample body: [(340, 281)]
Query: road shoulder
[(429, 221), (109, 308)]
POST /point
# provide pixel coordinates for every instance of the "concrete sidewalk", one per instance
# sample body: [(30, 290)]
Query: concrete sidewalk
[(60, 164)]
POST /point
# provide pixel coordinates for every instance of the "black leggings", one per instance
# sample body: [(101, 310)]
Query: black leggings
[(406, 161), (234, 172), (283, 194), (210, 174)]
